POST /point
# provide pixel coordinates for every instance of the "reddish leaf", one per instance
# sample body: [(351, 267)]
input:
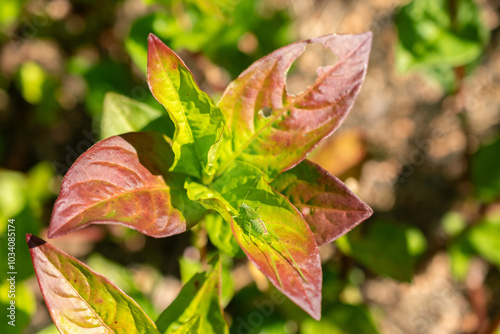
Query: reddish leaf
[(80, 300), (286, 253), (328, 206), (124, 180), (277, 141)]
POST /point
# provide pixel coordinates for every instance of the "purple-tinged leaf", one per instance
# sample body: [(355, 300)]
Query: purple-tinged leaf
[(274, 130), (125, 180), (80, 300), (329, 207), (198, 121)]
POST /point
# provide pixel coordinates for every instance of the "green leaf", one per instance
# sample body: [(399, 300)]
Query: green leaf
[(13, 195), (31, 79), (386, 248), (227, 279), (24, 305), (39, 182), (432, 34), (453, 223), (485, 172), (80, 299), (220, 234), (193, 326), (485, 239), (220, 9), (198, 122), (210, 199), (122, 114), (51, 329), (461, 254), (10, 12), (125, 180), (189, 267), (328, 206), (274, 130), (278, 241), (199, 297), (22, 198)]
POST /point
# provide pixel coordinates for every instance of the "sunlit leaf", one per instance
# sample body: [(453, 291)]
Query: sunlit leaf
[(16, 316), (328, 206), (39, 183), (485, 239), (32, 78), (274, 130), (125, 180), (439, 33), (460, 253), (193, 326), (10, 11), (284, 249), (199, 297), (20, 204), (121, 115), (122, 278), (79, 299), (198, 122), (13, 195), (210, 199)]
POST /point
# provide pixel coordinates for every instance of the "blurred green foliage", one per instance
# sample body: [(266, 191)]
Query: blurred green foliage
[(22, 197), (242, 33), (386, 248), (436, 36), (485, 172)]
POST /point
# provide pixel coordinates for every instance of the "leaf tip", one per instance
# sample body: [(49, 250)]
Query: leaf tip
[(33, 241), (152, 38)]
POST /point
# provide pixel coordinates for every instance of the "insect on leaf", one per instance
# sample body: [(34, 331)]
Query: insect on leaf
[(274, 236), (81, 300)]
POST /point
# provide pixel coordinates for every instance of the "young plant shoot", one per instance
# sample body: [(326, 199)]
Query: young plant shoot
[(242, 158)]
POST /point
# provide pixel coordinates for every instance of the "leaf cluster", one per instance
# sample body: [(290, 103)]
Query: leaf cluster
[(240, 163)]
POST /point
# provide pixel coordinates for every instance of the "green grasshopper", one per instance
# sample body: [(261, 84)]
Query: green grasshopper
[(251, 222)]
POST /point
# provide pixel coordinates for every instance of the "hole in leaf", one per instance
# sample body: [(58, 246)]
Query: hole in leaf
[(303, 72), (266, 111)]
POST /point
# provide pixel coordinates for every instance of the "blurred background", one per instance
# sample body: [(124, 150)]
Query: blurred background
[(421, 146)]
